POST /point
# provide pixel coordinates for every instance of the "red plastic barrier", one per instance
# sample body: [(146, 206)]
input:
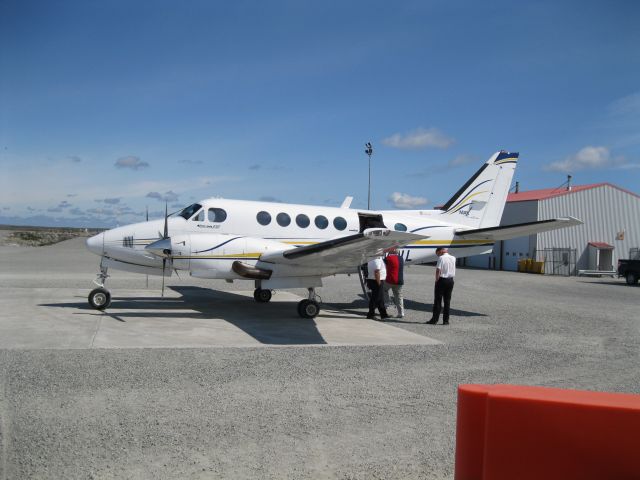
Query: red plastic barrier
[(520, 432)]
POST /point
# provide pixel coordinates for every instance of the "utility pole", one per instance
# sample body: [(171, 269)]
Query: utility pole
[(369, 151)]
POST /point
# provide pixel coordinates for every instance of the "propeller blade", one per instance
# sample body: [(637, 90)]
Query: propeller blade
[(166, 222), (164, 265)]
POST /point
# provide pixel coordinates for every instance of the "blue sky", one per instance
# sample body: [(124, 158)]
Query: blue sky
[(109, 107)]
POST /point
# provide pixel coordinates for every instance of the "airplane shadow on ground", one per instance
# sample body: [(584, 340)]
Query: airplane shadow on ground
[(362, 306), (272, 323)]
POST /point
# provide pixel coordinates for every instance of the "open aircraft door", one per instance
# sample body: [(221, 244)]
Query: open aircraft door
[(370, 220)]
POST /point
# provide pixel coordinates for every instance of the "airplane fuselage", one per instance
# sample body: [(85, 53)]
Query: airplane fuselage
[(207, 237)]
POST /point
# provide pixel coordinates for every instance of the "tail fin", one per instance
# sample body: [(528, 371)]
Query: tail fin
[(480, 202)]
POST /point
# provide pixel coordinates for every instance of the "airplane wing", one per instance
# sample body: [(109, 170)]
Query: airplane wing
[(518, 230), (349, 251)]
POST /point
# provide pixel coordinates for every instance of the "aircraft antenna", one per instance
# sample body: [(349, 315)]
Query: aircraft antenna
[(369, 151)]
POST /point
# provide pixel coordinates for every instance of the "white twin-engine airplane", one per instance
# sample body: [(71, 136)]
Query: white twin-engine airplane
[(279, 245)]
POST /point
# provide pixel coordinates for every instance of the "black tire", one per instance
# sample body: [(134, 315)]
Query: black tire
[(631, 278), (308, 308), (99, 298), (261, 296)]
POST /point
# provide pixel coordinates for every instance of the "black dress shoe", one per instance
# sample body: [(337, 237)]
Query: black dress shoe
[(384, 317), (445, 322), (433, 321), (371, 317)]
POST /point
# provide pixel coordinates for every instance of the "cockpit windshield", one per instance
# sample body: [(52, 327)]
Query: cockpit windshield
[(188, 212)]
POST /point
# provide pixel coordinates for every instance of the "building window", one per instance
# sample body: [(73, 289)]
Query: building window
[(321, 222), (217, 215), (263, 218), (302, 221), (400, 227), (283, 219), (340, 223)]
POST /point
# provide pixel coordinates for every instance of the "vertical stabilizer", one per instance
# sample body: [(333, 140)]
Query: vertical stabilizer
[(479, 203)]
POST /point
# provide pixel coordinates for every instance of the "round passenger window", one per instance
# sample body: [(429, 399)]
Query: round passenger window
[(400, 227), (340, 223), (302, 220), (283, 219), (263, 218), (321, 222), (217, 215)]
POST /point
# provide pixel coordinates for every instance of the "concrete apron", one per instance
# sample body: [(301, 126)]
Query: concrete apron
[(187, 317)]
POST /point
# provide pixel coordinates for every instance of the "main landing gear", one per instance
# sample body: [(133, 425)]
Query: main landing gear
[(100, 298), (261, 296), (307, 308)]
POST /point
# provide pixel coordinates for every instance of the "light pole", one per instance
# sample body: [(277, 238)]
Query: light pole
[(369, 151)]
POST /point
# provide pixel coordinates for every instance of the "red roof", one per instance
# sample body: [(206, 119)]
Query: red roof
[(601, 245), (549, 192)]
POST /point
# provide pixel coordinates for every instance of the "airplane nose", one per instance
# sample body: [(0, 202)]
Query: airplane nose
[(95, 244)]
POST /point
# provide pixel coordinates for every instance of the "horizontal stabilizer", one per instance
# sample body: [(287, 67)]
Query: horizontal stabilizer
[(518, 230), (349, 251)]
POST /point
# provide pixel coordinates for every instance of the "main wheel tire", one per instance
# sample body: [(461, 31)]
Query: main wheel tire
[(261, 296), (631, 278), (308, 308), (99, 298)]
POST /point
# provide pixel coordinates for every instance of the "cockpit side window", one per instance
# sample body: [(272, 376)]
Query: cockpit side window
[(188, 212), (199, 217)]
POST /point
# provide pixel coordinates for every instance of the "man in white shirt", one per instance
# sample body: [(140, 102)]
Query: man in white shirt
[(445, 271), (376, 274)]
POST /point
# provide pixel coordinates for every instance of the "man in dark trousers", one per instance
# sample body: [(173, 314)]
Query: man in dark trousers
[(445, 272), (375, 281)]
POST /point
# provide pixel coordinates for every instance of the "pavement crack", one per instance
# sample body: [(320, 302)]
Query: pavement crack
[(98, 323)]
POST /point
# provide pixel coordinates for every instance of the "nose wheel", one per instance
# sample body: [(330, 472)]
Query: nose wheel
[(99, 298)]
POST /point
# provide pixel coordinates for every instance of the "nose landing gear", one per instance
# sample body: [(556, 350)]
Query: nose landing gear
[(100, 298)]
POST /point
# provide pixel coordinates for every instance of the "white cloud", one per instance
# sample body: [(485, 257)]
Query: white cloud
[(587, 158), (166, 197), (134, 163), (461, 160), (406, 201), (419, 138), (626, 105), (629, 166)]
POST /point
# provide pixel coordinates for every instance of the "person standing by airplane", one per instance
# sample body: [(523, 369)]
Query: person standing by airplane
[(376, 274), (445, 272), (394, 281)]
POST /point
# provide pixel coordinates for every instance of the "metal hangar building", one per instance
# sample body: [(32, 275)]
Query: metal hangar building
[(611, 227)]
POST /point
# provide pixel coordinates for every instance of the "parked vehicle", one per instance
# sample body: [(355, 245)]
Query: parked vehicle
[(630, 270)]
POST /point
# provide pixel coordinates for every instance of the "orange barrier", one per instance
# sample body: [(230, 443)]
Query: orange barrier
[(520, 432)]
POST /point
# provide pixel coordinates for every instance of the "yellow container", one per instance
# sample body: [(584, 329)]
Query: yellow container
[(538, 267), (522, 265)]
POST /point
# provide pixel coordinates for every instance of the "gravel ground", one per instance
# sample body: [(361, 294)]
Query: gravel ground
[(300, 412)]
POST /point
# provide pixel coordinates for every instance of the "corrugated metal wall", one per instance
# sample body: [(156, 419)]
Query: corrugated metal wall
[(605, 211)]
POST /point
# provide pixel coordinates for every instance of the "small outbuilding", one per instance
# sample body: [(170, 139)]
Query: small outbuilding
[(611, 227)]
